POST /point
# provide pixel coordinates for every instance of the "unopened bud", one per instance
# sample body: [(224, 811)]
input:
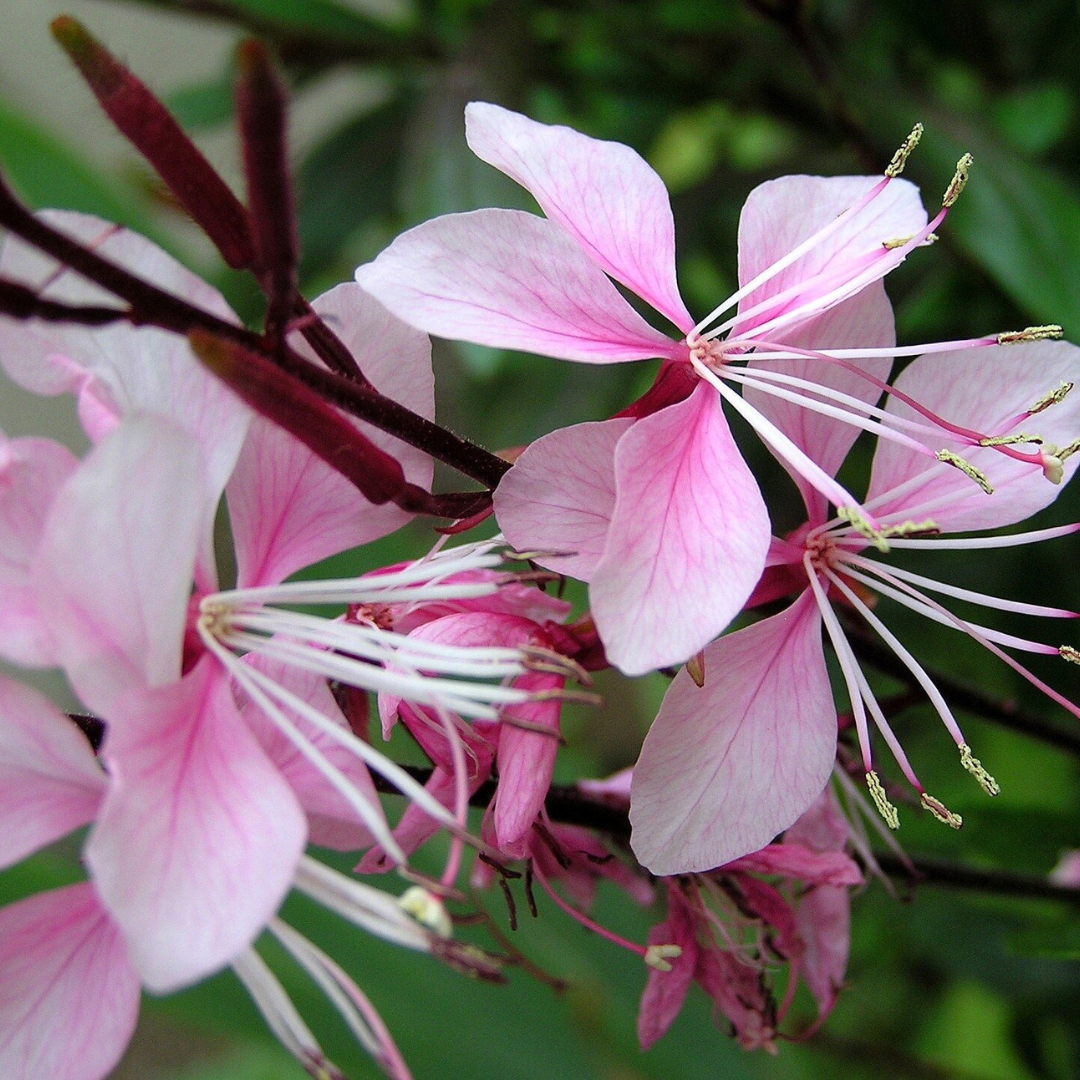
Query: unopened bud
[(656, 956), (899, 159), (941, 811)]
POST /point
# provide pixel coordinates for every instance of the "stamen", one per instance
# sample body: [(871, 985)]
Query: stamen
[(1011, 440), (1050, 332), (911, 528), (899, 159), (974, 766), (1069, 653), (958, 182), (695, 668), (966, 468), (881, 801), (1055, 397), (863, 527), (903, 241), (656, 956), (428, 910), (941, 811)]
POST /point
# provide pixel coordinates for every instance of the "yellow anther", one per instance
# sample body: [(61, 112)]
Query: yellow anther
[(899, 159), (657, 956), (966, 468), (912, 528), (1011, 440), (1069, 653), (941, 811), (428, 910), (1055, 397), (974, 766), (900, 241), (958, 182), (881, 800), (1050, 332), (1068, 450), (862, 526)]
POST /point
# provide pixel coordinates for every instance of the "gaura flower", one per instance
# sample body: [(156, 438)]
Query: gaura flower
[(656, 508), (729, 764)]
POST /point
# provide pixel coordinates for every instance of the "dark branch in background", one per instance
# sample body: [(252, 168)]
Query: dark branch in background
[(568, 805), (967, 698), (350, 37), (151, 306)]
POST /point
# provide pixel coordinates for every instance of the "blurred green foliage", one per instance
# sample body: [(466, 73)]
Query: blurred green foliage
[(718, 95)]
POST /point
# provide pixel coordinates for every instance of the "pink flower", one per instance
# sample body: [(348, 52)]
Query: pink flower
[(728, 765), (655, 509), (732, 927)]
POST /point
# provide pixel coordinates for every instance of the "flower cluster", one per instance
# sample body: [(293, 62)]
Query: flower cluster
[(224, 726)]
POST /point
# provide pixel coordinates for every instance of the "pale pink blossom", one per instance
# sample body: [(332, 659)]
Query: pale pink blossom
[(655, 509), (728, 765)]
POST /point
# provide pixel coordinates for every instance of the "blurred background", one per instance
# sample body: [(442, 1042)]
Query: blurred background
[(718, 95)]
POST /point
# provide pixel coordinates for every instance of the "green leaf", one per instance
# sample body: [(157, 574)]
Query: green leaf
[(46, 173), (1018, 220), (348, 180), (204, 105), (1056, 941)]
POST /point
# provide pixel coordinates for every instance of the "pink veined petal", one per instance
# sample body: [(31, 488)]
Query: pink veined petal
[(801, 863), (32, 471), (512, 280), (823, 827), (665, 991), (981, 389), (199, 836), (114, 569), (727, 766), (332, 822), (123, 368), (780, 214), (50, 781), (526, 760), (864, 321), (603, 193), (772, 908), (288, 508), (560, 496), (69, 996), (688, 538), (824, 921)]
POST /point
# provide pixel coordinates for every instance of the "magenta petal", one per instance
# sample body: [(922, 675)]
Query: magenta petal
[(665, 991), (688, 539), (801, 863), (780, 214), (727, 766), (69, 997), (32, 471), (526, 760), (512, 280), (865, 321), (288, 508), (50, 781), (560, 496), (199, 836), (981, 389), (603, 193), (113, 573)]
